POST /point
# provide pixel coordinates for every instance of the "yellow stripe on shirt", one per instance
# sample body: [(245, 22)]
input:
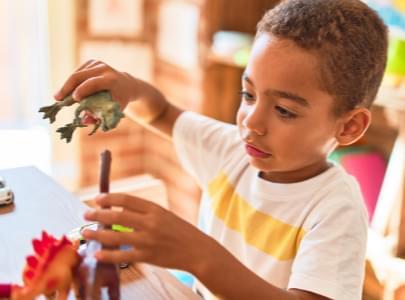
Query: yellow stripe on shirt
[(260, 230)]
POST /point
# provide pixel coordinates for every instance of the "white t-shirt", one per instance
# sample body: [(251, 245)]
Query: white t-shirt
[(309, 235)]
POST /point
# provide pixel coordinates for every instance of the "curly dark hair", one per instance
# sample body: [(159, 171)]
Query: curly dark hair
[(349, 39)]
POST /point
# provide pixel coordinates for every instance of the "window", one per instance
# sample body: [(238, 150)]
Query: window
[(24, 84)]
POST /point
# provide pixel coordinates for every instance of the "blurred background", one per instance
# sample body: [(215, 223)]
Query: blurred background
[(195, 52)]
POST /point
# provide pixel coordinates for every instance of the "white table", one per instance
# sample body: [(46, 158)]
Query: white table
[(42, 204)]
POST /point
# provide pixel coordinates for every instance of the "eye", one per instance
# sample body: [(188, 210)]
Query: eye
[(284, 113), (246, 96)]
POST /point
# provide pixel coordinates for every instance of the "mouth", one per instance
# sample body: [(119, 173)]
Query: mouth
[(89, 118), (255, 152)]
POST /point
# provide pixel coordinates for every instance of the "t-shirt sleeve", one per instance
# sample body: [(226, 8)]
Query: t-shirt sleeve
[(203, 145), (331, 257)]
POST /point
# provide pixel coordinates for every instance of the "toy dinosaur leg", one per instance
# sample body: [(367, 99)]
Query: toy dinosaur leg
[(96, 126), (66, 131), (68, 101), (77, 114), (62, 294), (20, 294), (51, 296), (76, 285), (65, 283), (51, 111), (28, 293)]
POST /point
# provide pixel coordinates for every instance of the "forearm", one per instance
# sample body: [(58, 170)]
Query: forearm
[(228, 278), (151, 108)]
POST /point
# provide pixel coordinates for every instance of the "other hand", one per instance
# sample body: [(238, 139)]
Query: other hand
[(159, 237)]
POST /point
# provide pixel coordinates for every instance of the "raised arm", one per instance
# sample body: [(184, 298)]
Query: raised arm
[(140, 100)]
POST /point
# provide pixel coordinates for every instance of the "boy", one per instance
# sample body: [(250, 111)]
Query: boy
[(280, 221)]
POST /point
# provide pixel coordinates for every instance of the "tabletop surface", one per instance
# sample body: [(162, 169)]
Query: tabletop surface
[(41, 204)]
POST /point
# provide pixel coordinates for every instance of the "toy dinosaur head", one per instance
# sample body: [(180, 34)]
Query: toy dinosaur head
[(111, 116), (100, 109)]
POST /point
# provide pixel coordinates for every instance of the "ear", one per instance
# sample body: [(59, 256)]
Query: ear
[(353, 125)]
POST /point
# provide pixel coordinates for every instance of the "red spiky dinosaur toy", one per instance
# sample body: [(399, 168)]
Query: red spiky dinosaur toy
[(51, 271)]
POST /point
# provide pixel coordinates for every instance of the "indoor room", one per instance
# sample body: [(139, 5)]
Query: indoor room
[(62, 151)]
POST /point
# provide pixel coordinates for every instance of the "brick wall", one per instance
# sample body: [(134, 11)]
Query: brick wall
[(161, 161), (125, 144)]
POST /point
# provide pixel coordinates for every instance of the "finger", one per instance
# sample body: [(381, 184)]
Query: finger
[(94, 63), (109, 217), (120, 256), (97, 63), (90, 86), (126, 201), (76, 79), (138, 240), (86, 64), (111, 238)]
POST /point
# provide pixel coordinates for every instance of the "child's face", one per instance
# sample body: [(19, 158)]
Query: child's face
[(285, 119)]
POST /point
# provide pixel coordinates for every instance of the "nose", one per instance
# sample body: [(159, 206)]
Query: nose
[(255, 120)]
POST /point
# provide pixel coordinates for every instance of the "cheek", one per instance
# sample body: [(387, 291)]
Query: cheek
[(301, 138), (313, 142)]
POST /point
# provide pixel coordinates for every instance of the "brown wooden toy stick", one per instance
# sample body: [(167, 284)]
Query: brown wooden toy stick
[(94, 275), (104, 179), (104, 182)]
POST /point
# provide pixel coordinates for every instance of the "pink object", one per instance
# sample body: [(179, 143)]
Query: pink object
[(369, 170), (5, 290)]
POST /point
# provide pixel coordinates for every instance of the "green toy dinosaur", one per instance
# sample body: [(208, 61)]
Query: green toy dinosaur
[(98, 109)]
